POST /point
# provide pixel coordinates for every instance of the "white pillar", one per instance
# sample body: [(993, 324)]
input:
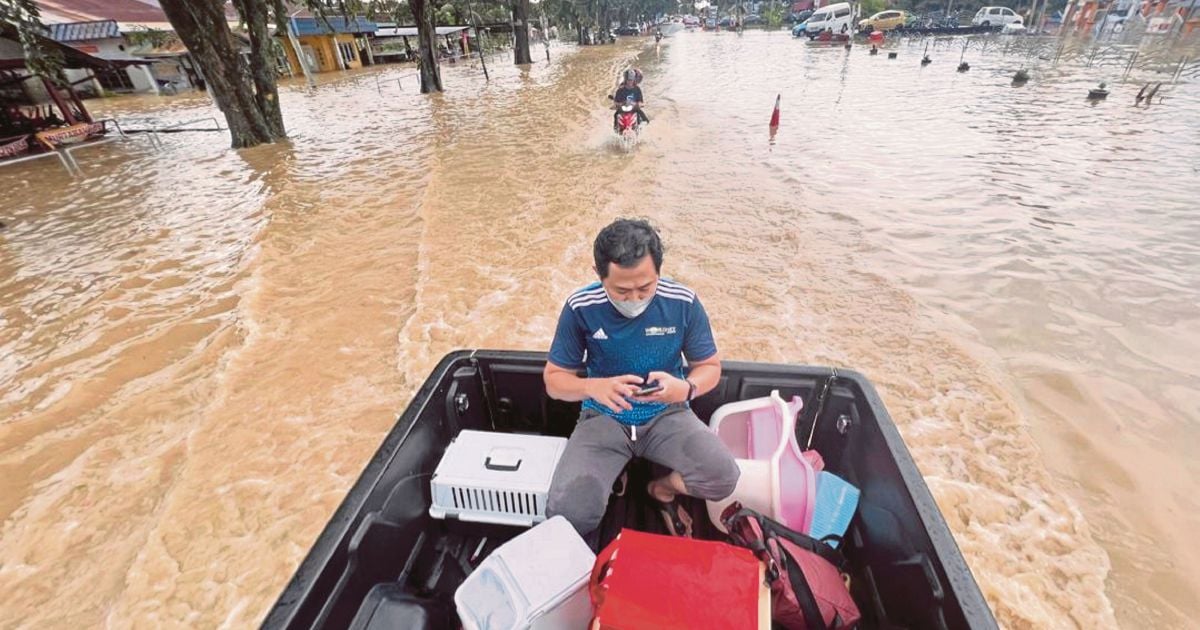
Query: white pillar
[(96, 83), (295, 39), (367, 46), (337, 52), (153, 81)]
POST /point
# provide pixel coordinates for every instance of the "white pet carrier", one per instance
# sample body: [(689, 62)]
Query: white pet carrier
[(501, 478)]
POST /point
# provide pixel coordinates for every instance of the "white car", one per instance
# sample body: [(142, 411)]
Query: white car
[(996, 16), (832, 17)]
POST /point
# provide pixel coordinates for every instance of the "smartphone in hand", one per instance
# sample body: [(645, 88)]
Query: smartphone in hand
[(649, 388)]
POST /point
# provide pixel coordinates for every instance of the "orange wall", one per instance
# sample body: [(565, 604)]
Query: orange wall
[(324, 52)]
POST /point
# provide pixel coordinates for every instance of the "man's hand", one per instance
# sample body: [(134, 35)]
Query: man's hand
[(612, 392), (674, 390)]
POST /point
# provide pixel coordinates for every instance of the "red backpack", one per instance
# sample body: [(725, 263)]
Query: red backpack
[(807, 589)]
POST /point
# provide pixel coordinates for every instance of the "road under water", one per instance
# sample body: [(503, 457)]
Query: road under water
[(200, 348)]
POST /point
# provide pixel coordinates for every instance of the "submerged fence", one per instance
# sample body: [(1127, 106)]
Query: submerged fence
[(1165, 61)]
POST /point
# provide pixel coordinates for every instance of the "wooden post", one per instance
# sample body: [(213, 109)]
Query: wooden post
[(58, 102)]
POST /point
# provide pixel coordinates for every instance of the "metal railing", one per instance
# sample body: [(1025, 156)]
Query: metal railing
[(65, 158), (66, 153), (156, 130)]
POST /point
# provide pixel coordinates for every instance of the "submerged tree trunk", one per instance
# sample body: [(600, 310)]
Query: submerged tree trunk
[(262, 54), (520, 13), (431, 76), (256, 14), (201, 26)]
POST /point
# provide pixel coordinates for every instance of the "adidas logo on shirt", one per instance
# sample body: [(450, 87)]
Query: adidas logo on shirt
[(599, 334)]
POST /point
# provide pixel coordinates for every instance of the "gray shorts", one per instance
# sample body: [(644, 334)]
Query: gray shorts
[(600, 447)]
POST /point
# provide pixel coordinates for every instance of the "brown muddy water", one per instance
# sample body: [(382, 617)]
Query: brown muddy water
[(200, 348)]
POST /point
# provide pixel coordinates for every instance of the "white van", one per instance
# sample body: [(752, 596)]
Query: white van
[(996, 16), (836, 17)]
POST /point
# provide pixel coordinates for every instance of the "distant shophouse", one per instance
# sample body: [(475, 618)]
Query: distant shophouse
[(330, 44)]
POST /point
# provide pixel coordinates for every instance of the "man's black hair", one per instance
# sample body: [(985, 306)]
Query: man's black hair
[(625, 242)]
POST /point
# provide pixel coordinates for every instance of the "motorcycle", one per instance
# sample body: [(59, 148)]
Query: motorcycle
[(628, 125)]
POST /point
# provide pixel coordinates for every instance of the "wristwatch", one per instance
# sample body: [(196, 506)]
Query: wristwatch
[(691, 389)]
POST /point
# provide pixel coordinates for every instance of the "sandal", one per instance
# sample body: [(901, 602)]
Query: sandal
[(676, 518)]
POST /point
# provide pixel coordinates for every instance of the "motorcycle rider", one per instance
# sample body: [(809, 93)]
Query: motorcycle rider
[(628, 89)]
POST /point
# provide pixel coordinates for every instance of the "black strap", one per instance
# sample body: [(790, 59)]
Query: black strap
[(805, 542), (771, 527), (804, 594)]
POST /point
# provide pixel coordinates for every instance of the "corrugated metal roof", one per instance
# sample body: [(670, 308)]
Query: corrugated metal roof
[(132, 11), (316, 26), (72, 58), (80, 31), (411, 31)]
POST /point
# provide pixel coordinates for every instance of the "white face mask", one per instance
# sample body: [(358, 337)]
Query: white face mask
[(631, 308)]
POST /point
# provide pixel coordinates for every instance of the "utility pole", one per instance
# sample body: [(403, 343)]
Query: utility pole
[(478, 41)]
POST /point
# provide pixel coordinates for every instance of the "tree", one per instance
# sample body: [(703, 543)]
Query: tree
[(244, 89), (389, 10), (867, 8), (447, 14), (520, 22), (427, 63), (773, 14), (246, 95), (40, 59)]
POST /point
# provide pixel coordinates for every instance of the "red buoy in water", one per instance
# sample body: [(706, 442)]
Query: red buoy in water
[(775, 113)]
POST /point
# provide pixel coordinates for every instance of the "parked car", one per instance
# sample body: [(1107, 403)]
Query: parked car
[(797, 18), (833, 17), (725, 22), (753, 20), (628, 30), (996, 16), (884, 21)]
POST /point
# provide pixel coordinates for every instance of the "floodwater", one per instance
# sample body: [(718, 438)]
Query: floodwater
[(200, 348)]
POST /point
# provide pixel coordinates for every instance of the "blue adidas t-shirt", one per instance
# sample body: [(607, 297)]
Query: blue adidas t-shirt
[(592, 333)]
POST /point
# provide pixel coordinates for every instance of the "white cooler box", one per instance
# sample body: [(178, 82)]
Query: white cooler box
[(501, 478), (536, 581)]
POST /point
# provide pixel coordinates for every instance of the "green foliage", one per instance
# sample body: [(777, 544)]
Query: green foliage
[(40, 58), (389, 11), (446, 15), (774, 15), (142, 37), (871, 7)]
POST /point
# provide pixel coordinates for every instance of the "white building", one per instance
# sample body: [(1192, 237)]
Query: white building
[(103, 39)]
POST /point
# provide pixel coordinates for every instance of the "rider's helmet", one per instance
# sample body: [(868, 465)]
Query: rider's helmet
[(631, 76)]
